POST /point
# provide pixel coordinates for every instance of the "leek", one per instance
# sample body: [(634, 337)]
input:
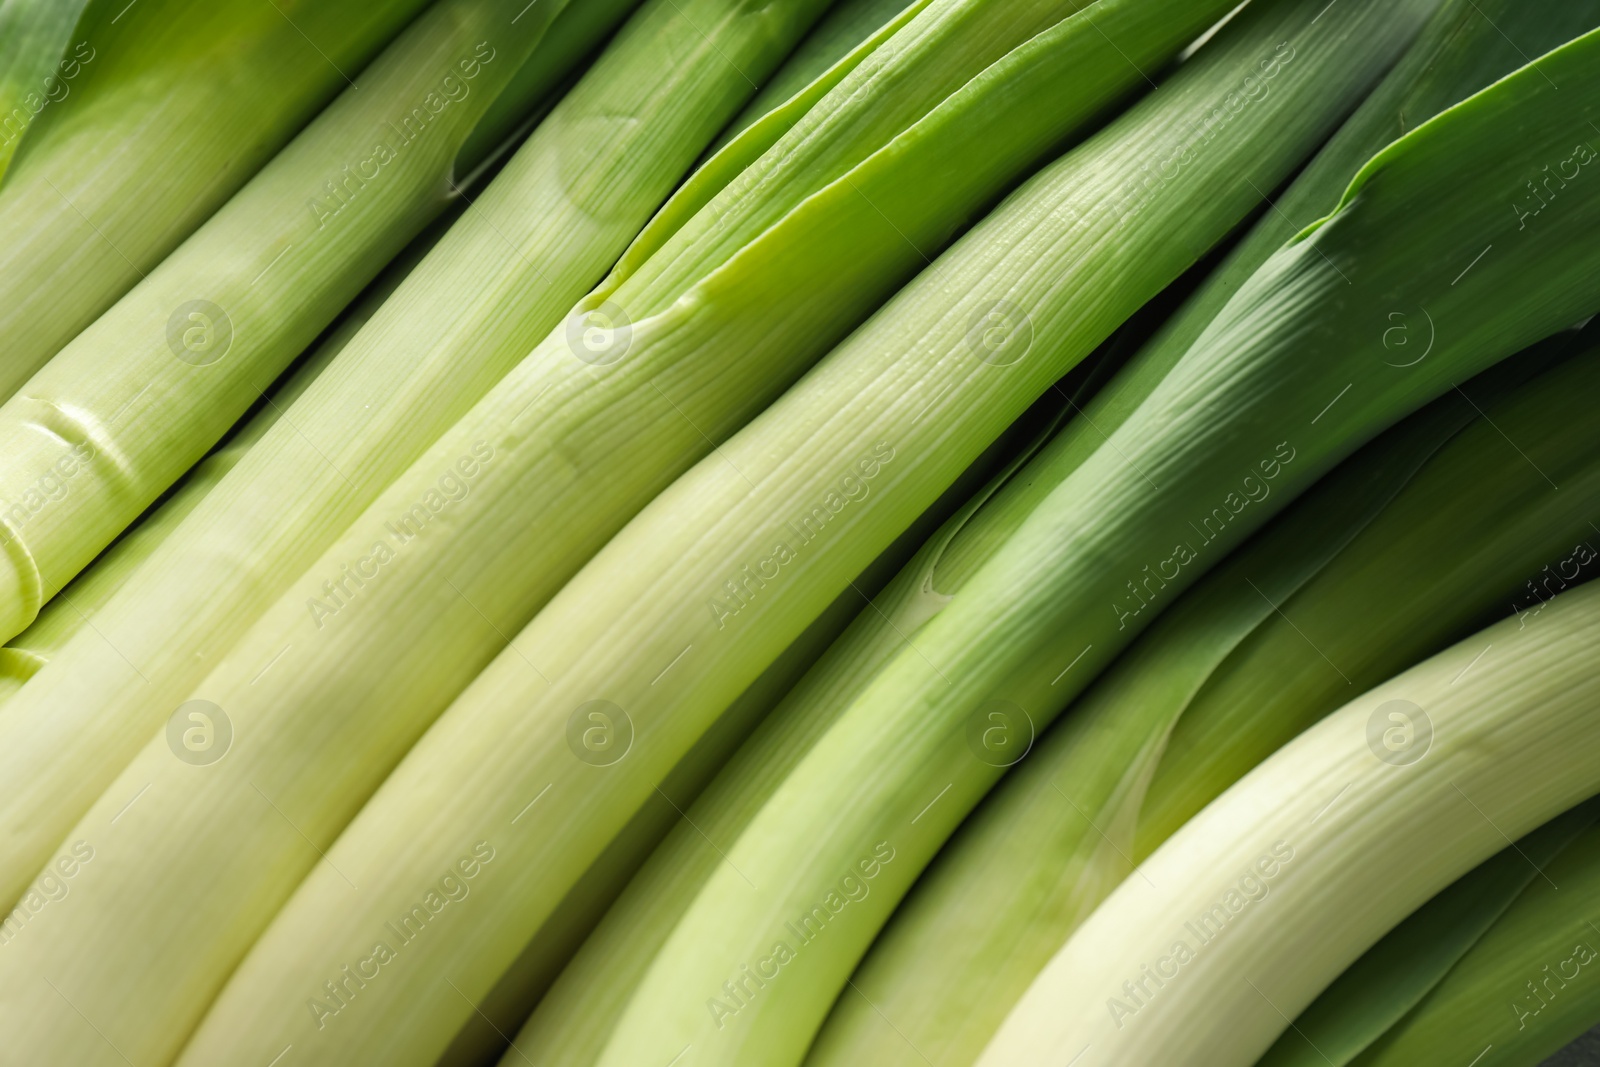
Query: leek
[(913, 995), (88, 594), (1311, 857), (205, 332), (685, 541), (1059, 833), (500, 281), (847, 24), (585, 166), (77, 763), (1420, 970), (93, 200), (898, 768), (570, 1023), (927, 993), (1518, 987)]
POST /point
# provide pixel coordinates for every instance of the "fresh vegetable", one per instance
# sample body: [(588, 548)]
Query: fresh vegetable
[(608, 197), (146, 390), (88, 595), (1257, 651), (552, 519), (913, 995), (1513, 989), (34, 35), (847, 24), (1493, 921), (899, 769), (135, 125), (1275, 888), (859, 416), (500, 280)]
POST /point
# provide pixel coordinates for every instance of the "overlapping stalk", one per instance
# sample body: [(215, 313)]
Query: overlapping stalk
[(1004, 896), (847, 24), (536, 238), (144, 391), (1458, 959), (144, 122), (899, 769), (1467, 46), (1242, 651), (896, 411), (88, 594), (65, 765), (613, 150), (922, 997), (1266, 896), (568, 1026), (1519, 988)]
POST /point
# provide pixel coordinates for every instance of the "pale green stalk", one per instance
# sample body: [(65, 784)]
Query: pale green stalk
[(66, 615), (896, 412), (612, 152), (571, 1022), (155, 115), (557, 541), (79, 762), (897, 772), (1036, 866), (144, 392), (1254, 906), (1394, 982), (847, 24), (1059, 832), (1468, 46), (536, 238)]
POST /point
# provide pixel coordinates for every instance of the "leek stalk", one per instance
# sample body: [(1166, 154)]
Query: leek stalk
[(914, 352), (1059, 832), (1327, 829), (1518, 988), (899, 767), (88, 594), (913, 994), (34, 35), (600, 191), (535, 239), (144, 392), (1421, 968), (93, 199)]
